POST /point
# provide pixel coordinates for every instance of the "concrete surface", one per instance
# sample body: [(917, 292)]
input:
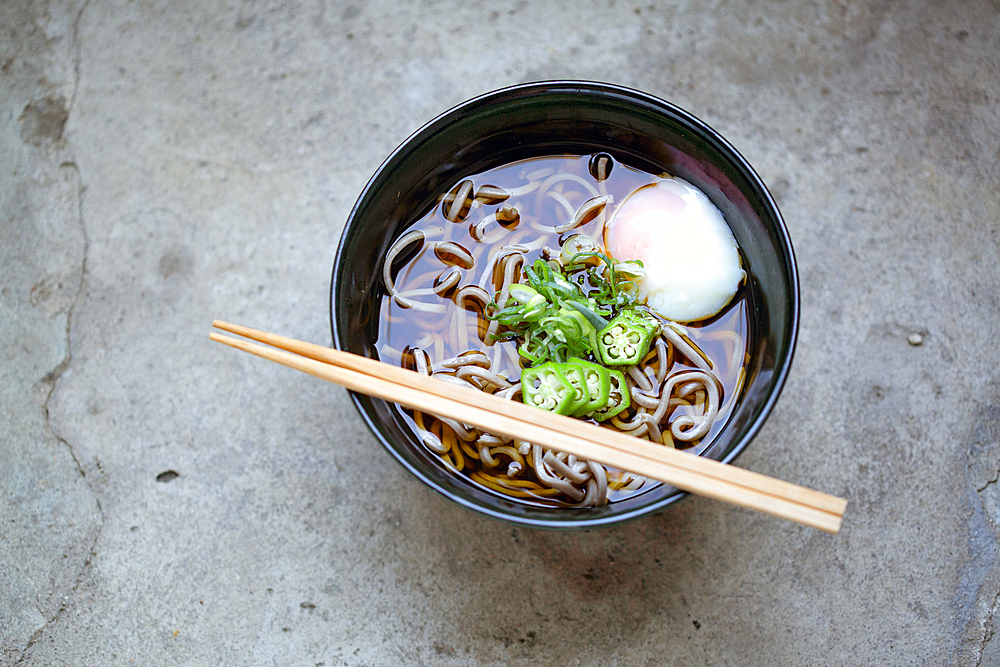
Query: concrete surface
[(164, 163)]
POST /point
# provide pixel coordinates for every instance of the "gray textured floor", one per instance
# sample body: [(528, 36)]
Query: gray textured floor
[(164, 163)]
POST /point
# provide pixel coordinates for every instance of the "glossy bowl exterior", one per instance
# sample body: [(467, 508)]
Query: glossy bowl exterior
[(559, 117)]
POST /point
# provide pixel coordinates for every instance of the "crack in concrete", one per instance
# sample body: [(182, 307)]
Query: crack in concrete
[(53, 376), (76, 57), (988, 631), (987, 623), (50, 380), (989, 482)]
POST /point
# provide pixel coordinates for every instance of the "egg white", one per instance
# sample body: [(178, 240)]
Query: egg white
[(689, 253)]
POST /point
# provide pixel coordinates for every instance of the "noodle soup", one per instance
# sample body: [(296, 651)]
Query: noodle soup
[(452, 275)]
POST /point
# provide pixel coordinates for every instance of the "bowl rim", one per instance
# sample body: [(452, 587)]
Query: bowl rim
[(600, 88)]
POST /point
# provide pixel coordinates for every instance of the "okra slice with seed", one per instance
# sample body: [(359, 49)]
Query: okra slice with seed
[(626, 339), (574, 375), (618, 397), (597, 379), (546, 387)]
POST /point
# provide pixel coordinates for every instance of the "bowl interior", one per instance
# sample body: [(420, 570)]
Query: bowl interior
[(558, 118)]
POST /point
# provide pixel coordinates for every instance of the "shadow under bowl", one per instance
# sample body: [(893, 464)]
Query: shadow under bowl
[(552, 118)]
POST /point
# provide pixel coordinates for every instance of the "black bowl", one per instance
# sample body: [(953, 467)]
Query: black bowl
[(560, 117)]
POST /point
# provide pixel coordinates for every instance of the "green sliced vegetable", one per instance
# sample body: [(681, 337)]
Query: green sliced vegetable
[(626, 340), (611, 287), (575, 376), (525, 294), (642, 318), (597, 379), (546, 387), (631, 269), (558, 312), (579, 249), (596, 319), (618, 397), (542, 312)]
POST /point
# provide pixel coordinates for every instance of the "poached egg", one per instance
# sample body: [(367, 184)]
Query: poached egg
[(691, 259)]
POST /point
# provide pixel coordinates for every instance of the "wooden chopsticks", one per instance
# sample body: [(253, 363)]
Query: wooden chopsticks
[(691, 473)]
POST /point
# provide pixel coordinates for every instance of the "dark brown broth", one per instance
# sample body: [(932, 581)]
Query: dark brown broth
[(723, 338)]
